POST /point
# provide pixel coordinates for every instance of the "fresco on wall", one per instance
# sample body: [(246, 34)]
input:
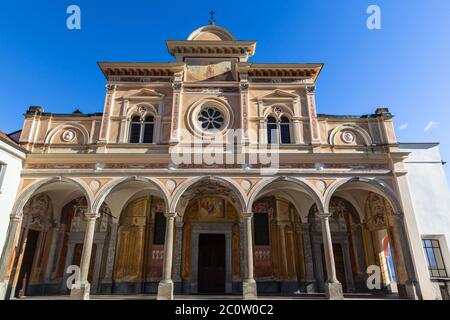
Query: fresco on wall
[(211, 208), (211, 70)]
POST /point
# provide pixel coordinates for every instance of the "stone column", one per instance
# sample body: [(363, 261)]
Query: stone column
[(333, 289), (12, 235), (249, 283), (165, 287), (82, 293), (310, 280)]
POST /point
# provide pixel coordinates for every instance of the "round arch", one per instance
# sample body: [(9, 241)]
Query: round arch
[(189, 183), (373, 184), (106, 190), (30, 190), (363, 133), (305, 185), (80, 128)]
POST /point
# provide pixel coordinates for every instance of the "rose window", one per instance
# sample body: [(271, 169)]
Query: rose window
[(211, 119)]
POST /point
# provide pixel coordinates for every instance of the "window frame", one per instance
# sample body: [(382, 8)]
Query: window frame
[(278, 123), (3, 167), (435, 245), (142, 124)]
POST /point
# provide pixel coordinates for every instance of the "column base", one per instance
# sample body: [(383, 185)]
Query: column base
[(249, 290), (333, 291), (3, 289), (82, 293), (165, 290)]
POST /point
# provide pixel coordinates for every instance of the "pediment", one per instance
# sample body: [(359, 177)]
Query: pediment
[(145, 94), (279, 94)]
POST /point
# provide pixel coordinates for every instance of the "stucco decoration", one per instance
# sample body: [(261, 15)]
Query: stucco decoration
[(170, 185), (95, 185), (69, 133), (246, 185), (349, 134)]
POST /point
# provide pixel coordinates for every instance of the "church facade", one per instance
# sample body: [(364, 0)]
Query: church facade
[(212, 174)]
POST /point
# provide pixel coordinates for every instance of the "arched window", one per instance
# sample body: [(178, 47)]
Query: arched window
[(278, 131), (272, 135), (149, 124), (135, 131), (141, 131), (285, 131)]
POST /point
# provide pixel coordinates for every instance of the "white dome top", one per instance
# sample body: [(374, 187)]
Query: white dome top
[(212, 33)]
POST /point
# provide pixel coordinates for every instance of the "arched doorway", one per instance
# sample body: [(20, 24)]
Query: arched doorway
[(383, 233), (135, 246), (211, 250), (208, 247), (35, 251), (34, 245), (283, 258)]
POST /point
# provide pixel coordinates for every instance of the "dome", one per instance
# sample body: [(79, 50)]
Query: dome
[(211, 33)]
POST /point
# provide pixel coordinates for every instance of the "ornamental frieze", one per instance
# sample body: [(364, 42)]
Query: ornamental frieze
[(359, 166)]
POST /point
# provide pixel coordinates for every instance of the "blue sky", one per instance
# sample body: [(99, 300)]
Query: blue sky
[(404, 66)]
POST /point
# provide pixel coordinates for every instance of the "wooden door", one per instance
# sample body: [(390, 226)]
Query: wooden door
[(211, 263), (339, 265)]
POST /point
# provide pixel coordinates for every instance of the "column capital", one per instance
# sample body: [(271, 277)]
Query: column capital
[(177, 86), (16, 217), (169, 215), (310, 89), (91, 215), (247, 215), (323, 215)]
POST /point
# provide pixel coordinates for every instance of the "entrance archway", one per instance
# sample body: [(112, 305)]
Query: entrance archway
[(383, 227), (135, 248), (283, 258), (208, 238)]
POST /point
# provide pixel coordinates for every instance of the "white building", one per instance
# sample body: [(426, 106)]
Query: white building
[(11, 157), (431, 200)]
